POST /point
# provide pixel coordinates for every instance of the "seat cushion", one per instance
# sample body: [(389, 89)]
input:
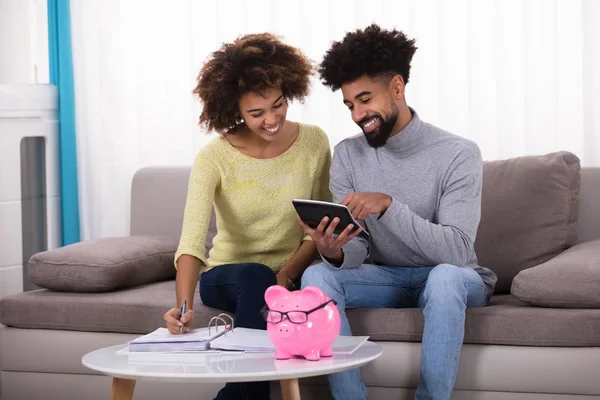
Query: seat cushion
[(140, 310), (505, 321), (104, 264), (529, 213), (135, 310), (569, 280)]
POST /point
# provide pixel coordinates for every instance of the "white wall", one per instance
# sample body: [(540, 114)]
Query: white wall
[(23, 60), (23, 41)]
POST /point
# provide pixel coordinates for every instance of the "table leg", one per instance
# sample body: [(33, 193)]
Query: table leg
[(290, 389), (122, 389)]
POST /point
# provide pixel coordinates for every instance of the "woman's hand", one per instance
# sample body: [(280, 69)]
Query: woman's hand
[(283, 279), (175, 321)]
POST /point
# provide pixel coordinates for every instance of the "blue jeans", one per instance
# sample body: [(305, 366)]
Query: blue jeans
[(239, 289), (444, 292)]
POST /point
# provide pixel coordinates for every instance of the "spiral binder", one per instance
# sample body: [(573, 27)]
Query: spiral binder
[(226, 327)]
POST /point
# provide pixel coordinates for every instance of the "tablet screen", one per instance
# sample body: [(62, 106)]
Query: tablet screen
[(313, 211)]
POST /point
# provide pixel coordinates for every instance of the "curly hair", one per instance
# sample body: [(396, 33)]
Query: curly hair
[(252, 63), (374, 52)]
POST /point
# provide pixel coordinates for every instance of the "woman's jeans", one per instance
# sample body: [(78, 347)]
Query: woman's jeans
[(239, 289)]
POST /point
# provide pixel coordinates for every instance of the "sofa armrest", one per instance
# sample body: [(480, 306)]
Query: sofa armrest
[(569, 280), (105, 264)]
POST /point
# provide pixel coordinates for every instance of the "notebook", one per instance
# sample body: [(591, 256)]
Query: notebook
[(161, 340)]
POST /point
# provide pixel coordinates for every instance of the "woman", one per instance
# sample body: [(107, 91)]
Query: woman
[(250, 174)]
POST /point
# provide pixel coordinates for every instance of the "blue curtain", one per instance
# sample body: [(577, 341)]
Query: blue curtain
[(61, 75)]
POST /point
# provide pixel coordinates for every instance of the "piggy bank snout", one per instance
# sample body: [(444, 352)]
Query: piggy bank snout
[(284, 329)]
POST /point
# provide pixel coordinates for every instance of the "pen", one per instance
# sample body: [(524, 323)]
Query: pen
[(182, 311)]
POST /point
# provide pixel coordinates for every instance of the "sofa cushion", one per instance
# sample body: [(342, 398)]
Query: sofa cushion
[(529, 212), (104, 264), (505, 321), (140, 310), (134, 310), (569, 280)]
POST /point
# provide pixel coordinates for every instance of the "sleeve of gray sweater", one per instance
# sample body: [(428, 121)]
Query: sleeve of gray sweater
[(340, 184), (451, 238)]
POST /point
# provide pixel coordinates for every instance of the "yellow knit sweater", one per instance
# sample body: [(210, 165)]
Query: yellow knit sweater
[(256, 221)]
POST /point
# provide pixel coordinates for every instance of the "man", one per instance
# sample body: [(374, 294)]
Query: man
[(417, 191)]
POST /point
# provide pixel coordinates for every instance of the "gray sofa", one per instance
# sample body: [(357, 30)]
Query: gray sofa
[(513, 349)]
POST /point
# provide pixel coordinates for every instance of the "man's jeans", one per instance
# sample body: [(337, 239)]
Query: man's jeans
[(239, 289), (444, 292)]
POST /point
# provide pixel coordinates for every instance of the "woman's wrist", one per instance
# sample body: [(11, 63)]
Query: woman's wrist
[(285, 271)]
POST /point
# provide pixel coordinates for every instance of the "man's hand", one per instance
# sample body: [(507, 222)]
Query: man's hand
[(283, 279), (362, 204), (330, 246)]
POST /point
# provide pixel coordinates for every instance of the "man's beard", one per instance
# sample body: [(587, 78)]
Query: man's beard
[(380, 136)]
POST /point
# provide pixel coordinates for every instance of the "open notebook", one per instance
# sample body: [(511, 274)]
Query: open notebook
[(162, 340), (194, 340)]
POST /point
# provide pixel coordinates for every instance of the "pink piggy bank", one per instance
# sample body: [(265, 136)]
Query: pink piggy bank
[(301, 323)]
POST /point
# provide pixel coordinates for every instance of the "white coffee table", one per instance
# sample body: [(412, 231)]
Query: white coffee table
[(222, 368)]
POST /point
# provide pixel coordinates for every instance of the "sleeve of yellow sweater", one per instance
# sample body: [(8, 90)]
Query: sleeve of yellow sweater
[(320, 189), (203, 181)]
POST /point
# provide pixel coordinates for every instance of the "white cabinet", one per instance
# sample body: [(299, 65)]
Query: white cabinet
[(30, 202)]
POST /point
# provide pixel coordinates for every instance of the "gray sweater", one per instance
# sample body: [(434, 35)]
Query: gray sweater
[(434, 179)]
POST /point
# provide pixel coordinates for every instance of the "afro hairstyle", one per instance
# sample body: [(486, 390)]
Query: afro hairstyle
[(373, 52), (252, 63)]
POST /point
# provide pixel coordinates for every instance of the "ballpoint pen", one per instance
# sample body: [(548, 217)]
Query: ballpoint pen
[(182, 311)]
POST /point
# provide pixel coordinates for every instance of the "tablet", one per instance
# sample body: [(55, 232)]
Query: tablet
[(311, 212)]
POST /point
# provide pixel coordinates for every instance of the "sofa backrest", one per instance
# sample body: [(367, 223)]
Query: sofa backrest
[(589, 205), (158, 197), (157, 201), (529, 213)]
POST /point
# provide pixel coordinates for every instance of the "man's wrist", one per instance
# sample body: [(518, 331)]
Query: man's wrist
[(389, 201), (336, 259)]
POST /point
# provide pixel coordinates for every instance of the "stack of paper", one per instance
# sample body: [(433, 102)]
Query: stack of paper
[(162, 340)]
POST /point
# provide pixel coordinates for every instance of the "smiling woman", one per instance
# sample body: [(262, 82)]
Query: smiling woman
[(249, 174), (265, 132), (256, 63)]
